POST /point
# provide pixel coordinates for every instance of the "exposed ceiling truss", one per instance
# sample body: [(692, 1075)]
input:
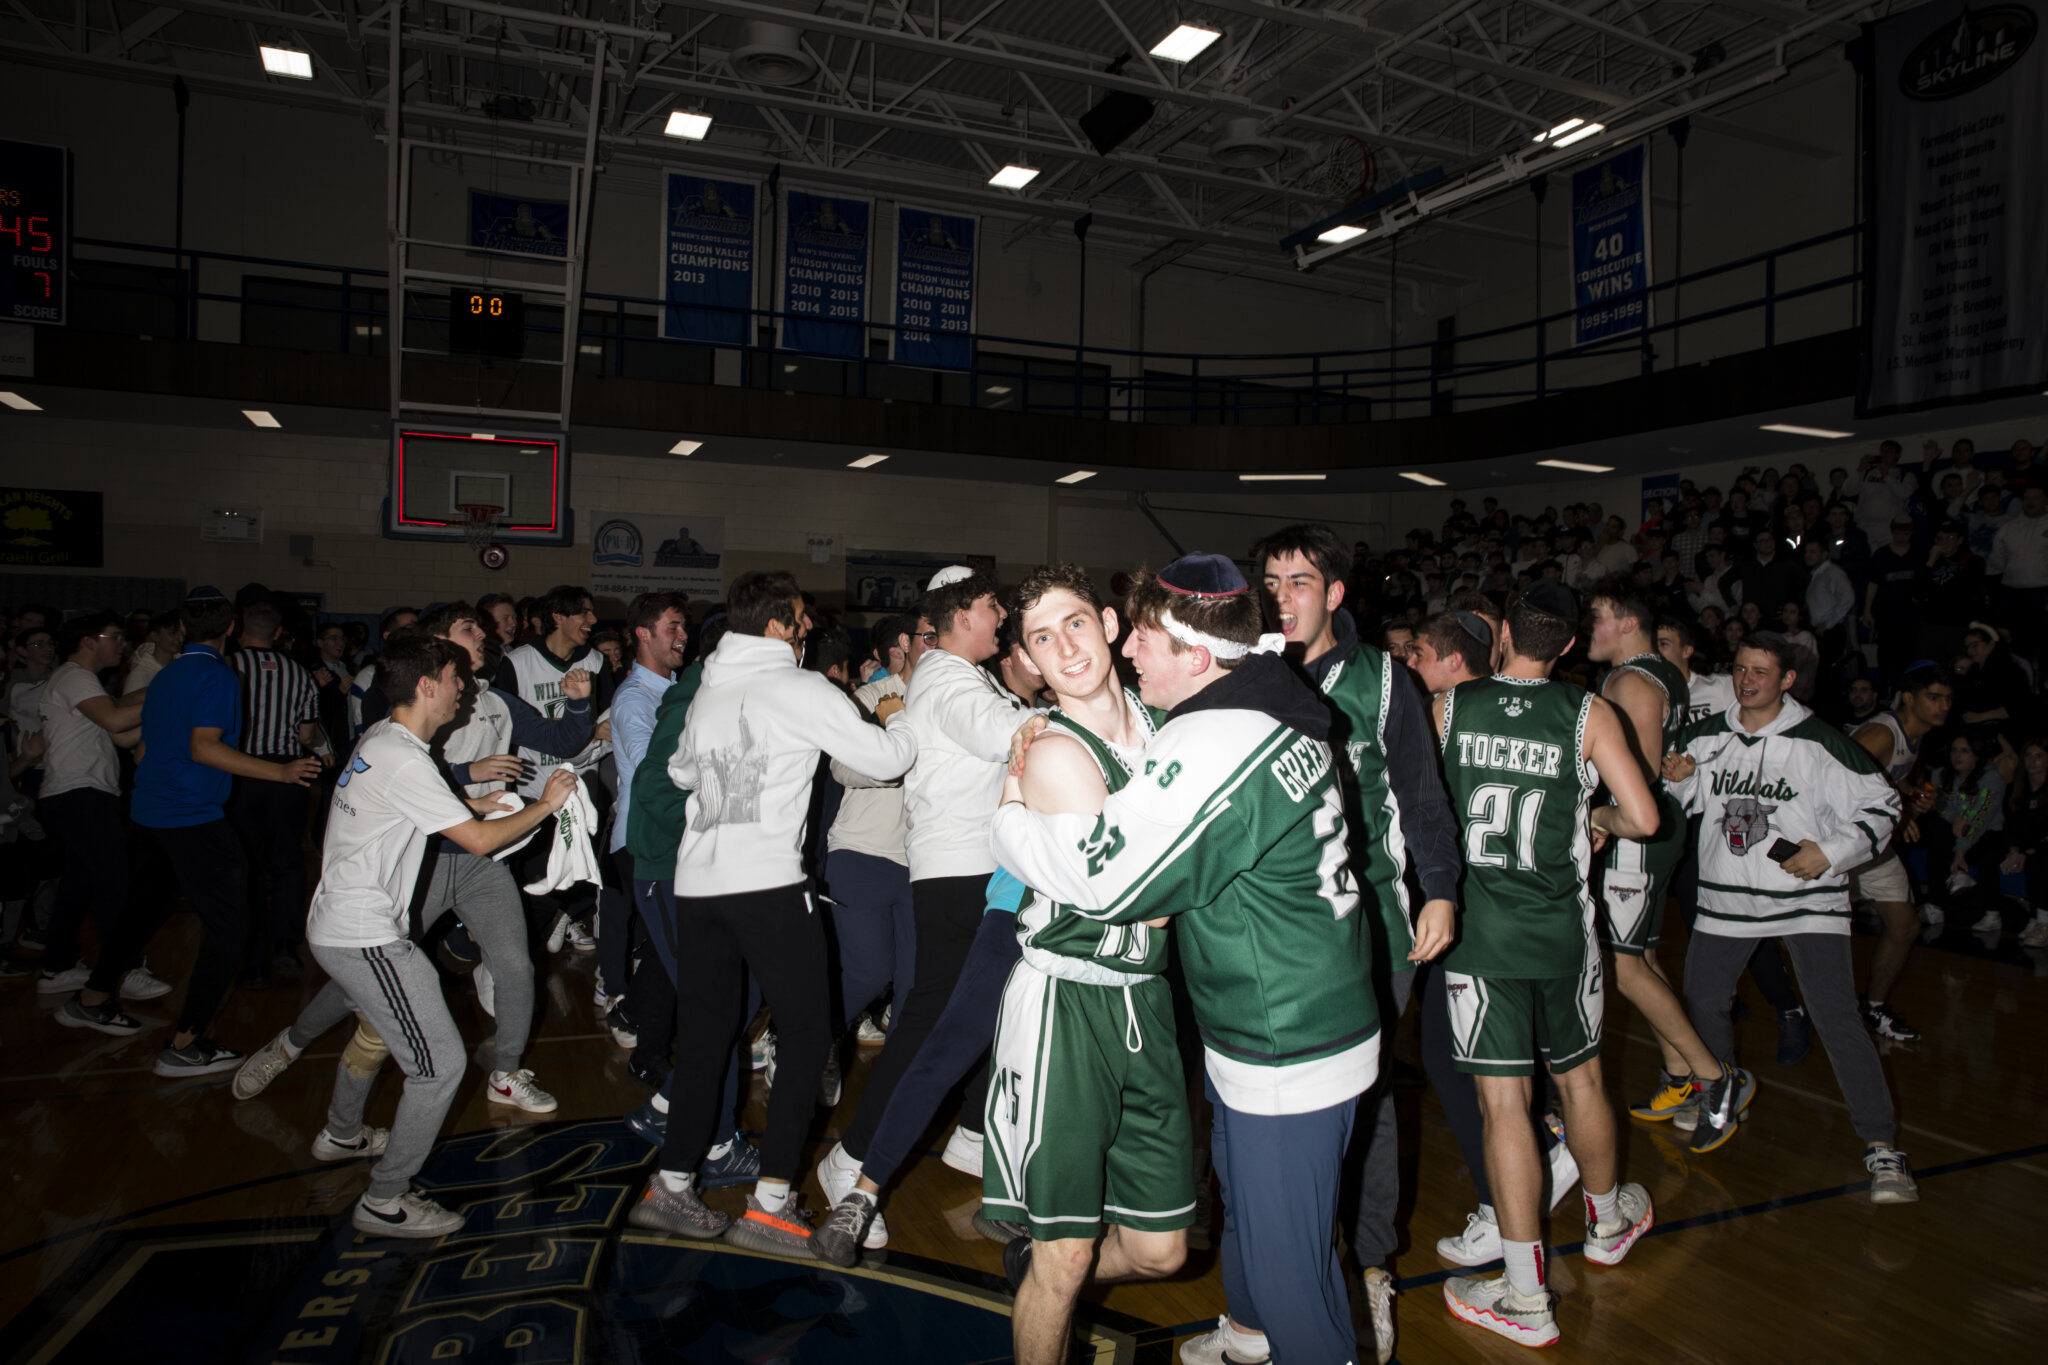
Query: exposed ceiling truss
[(928, 98)]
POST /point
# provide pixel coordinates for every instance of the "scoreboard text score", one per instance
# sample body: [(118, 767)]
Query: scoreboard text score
[(35, 231), (486, 322)]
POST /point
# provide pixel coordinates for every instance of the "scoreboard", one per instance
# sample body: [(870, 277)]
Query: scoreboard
[(35, 232)]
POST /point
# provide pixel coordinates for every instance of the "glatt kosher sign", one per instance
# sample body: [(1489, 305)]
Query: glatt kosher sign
[(1611, 246), (1957, 289), (636, 552)]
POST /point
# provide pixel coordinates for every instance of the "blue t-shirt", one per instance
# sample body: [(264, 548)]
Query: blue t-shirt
[(196, 691)]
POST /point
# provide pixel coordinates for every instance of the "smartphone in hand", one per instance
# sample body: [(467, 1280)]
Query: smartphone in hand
[(1782, 850)]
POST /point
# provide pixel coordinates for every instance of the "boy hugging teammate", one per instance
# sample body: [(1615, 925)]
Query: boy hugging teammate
[(1235, 821), (1522, 755), (1087, 1119)]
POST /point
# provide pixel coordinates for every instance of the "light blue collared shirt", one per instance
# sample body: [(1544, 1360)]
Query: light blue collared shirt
[(633, 708)]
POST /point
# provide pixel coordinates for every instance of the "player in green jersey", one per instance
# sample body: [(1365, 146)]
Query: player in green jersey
[(1522, 755), (1235, 825), (1395, 808), (1651, 697), (1087, 1117)]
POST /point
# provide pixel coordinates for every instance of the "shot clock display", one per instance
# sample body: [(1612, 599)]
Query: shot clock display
[(486, 322), (35, 231)]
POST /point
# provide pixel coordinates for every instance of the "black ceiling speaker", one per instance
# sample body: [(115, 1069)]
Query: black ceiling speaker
[(1115, 117)]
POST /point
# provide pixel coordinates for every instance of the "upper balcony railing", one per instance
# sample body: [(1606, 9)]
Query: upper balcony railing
[(1801, 289)]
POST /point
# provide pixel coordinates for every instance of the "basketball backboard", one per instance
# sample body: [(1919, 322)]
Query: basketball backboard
[(436, 471)]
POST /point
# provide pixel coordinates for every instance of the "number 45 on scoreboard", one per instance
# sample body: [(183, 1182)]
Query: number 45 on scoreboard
[(35, 232)]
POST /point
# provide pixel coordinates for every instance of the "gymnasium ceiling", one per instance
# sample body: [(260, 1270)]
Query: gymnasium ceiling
[(928, 98)]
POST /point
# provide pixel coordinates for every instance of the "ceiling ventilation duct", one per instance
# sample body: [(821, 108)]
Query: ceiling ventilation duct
[(1243, 147), (772, 54)]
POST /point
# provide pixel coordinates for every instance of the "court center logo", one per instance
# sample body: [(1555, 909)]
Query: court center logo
[(617, 543), (1978, 48)]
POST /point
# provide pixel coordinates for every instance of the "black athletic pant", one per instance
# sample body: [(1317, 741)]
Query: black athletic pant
[(270, 817), (780, 938), (948, 914), (208, 863), (650, 995), (86, 822)]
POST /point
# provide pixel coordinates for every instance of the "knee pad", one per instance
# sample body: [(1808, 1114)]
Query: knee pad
[(365, 1052)]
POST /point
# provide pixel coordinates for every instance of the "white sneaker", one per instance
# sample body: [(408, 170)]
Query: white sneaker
[(963, 1152), (1564, 1167), (762, 1052), (412, 1214), (486, 989), (598, 997), (369, 1142), (869, 1034), (579, 936), (141, 984), (838, 1173), (72, 978), (1210, 1347), (1494, 1305), (1379, 1297), (265, 1065), (517, 1089), (1990, 922), (559, 933), (1961, 881), (1477, 1244), (621, 1028), (1931, 913), (1634, 1215), (2035, 935)]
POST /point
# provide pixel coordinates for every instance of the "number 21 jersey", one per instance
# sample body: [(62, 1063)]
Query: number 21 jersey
[(1520, 789)]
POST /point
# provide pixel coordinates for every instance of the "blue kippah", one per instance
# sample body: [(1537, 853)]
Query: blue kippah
[(1203, 575)]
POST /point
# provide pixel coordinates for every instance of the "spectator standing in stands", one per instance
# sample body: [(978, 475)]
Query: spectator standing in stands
[(1886, 494), (36, 648), (280, 723), (2019, 561), (1888, 600), (1830, 599), (1770, 577), (164, 642), (1948, 589), (1987, 513)]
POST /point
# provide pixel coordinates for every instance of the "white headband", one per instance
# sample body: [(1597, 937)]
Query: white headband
[(1220, 649)]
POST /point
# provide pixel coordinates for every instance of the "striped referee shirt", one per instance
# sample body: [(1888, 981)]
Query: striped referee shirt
[(278, 696)]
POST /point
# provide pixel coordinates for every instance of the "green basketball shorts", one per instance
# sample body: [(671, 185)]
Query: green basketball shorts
[(1635, 882), (1500, 1026), (1087, 1119)]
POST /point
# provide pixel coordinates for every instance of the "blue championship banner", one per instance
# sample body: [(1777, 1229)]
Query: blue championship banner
[(825, 273), (1956, 286), (1611, 246), (935, 259), (531, 227), (707, 258)]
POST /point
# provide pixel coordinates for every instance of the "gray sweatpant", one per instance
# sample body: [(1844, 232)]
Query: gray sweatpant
[(483, 891), (395, 987), (1375, 1141), (1827, 981)]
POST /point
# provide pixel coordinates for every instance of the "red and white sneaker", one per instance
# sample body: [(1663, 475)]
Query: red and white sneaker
[(1607, 1243), (516, 1088), (1494, 1305)]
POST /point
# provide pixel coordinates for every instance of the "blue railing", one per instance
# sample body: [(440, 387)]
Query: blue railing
[(617, 335)]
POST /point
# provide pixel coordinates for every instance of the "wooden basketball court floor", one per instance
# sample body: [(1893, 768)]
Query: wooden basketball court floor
[(146, 1220)]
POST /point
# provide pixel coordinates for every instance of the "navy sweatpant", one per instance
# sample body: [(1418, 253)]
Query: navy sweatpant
[(1280, 1177)]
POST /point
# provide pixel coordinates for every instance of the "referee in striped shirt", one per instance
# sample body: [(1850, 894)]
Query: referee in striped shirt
[(279, 711)]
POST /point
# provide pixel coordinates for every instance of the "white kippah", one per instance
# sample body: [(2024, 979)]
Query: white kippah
[(1218, 648), (955, 573)]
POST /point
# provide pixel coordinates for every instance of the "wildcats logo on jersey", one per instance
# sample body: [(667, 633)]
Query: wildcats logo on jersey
[(1745, 823)]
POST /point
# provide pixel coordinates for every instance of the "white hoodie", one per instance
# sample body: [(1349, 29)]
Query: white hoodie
[(748, 754), (964, 721), (1796, 778)]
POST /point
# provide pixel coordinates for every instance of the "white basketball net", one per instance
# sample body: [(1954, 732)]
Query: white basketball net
[(479, 523)]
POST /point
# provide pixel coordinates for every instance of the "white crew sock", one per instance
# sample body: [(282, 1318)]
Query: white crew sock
[(660, 1103), (771, 1195), (1603, 1208), (1525, 1266), (676, 1182), (718, 1150)]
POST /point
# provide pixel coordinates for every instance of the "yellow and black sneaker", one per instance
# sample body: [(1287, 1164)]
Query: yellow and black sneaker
[(1676, 1095)]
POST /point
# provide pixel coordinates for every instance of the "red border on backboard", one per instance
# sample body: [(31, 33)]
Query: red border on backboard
[(554, 522)]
